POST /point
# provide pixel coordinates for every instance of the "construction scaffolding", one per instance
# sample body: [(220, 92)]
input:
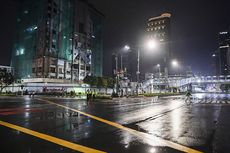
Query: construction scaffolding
[(59, 39)]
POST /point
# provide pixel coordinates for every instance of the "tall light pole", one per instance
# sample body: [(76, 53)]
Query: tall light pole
[(117, 75), (159, 69), (125, 48), (138, 66), (151, 44), (175, 64)]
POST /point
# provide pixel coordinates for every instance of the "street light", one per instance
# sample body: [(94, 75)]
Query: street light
[(175, 63), (159, 68), (126, 48), (150, 44)]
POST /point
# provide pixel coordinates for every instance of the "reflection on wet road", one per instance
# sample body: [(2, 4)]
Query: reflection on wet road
[(123, 125)]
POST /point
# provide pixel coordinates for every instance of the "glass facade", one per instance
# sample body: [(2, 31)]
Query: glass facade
[(97, 42), (31, 15)]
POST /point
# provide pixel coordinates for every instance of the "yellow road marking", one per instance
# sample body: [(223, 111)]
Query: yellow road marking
[(156, 140), (52, 139)]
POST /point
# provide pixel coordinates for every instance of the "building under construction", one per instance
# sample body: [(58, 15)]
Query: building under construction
[(58, 40)]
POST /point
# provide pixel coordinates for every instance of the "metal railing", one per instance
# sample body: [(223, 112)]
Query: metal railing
[(182, 81)]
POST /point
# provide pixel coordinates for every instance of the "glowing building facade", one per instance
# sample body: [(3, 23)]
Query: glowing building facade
[(158, 28)]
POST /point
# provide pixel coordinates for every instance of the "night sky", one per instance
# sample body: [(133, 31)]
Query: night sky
[(195, 27)]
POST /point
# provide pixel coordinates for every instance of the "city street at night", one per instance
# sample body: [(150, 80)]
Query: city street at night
[(114, 76), (134, 125)]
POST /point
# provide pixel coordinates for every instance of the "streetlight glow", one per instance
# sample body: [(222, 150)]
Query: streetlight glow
[(175, 63), (127, 47), (152, 44)]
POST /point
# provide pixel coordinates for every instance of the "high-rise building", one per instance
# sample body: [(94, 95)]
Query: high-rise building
[(158, 28), (58, 39), (222, 55)]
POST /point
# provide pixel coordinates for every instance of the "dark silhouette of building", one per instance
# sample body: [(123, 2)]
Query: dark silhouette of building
[(222, 55)]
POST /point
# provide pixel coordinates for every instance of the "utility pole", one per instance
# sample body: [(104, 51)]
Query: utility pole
[(121, 62), (138, 69), (117, 76)]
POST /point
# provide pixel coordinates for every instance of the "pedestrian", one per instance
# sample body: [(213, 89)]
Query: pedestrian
[(87, 95), (94, 94), (122, 92), (33, 93), (90, 95)]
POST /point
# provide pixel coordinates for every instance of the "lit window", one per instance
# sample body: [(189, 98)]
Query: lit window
[(22, 51), (17, 53), (31, 29), (26, 12)]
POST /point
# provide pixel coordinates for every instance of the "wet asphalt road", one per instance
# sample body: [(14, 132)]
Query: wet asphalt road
[(204, 125)]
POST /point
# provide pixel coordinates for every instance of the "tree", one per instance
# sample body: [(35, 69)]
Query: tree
[(100, 82), (87, 79), (111, 82), (105, 83), (6, 79), (225, 87), (91, 80)]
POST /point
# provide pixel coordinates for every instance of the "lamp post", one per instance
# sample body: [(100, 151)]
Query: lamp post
[(126, 48), (151, 44), (159, 68), (175, 64), (117, 75)]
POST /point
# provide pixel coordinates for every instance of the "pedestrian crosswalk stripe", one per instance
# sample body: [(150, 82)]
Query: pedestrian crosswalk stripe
[(212, 101)]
